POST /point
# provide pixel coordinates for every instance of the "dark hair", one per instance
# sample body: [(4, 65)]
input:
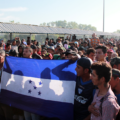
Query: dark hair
[(104, 48), (115, 73), (8, 44), (1, 45), (44, 50), (13, 53), (102, 69), (90, 50), (115, 61)]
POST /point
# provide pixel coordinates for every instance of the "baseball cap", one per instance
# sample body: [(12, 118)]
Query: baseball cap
[(52, 48), (69, 51), (62, 48), (115, 61), (110, 50), (85, 62)]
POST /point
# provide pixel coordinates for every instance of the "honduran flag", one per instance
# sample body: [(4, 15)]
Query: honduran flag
[(43, 87)]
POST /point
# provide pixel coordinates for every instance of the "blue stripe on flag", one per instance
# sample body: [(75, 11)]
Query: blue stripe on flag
[(61, 110), (46, 69)]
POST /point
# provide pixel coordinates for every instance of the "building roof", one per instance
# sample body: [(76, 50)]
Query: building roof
[(34, 29)]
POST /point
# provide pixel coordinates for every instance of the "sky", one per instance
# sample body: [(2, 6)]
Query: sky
[(80, 11)]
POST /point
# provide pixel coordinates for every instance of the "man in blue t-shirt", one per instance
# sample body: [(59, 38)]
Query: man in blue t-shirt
[(84, 89)]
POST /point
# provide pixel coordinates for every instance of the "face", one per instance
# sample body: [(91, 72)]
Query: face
[(35, 42), (14, 43), (113, 83), (39, 49), (60, 51), (109, 54), (95, 79), (85, 44), (117, 66), (79, 70), (50, 51), (46, 58), (69, 56), (20, 50), (92, 56), (26, 53), (100, 55), (93, 35), (43, 52), (28, 42), (9, 47), (2, 58)]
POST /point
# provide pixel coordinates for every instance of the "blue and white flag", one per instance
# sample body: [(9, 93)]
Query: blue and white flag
[(44, 87)]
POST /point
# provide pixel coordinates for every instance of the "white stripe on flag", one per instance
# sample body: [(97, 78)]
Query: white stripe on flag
[(54, 90)]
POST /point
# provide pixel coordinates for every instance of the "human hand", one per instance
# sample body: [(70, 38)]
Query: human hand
[(93, 110)]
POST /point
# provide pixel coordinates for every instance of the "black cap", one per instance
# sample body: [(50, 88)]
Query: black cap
[(85, 62)]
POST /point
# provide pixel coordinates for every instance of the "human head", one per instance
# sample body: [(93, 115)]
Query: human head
[(35, 42), (82, 49), (28, 41), (34, 47), (59, 40), (115, 63), (85, 44), (114, 54), (1, 46), (39, 48), (13, 53), (101, 51), (115, 80), (70, 53), (8, 46), (83, 66), (43, 51), (47, 56), (91, 53), (27, 53), (20, 49), (93, 35), (109, 53), (50, 50), (62, 50), (2, 56), (101, 73), (14, 42), (110, 45)]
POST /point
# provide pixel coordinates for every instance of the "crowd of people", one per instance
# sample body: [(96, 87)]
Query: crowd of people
[(97, 91)]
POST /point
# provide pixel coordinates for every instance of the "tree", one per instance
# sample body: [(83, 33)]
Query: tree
[(71, 24), (118, 31)]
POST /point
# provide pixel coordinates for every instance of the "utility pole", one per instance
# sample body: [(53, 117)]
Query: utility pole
[(103, 14)]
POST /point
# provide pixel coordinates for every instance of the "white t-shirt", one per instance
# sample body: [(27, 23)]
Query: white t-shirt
[(14, 48)]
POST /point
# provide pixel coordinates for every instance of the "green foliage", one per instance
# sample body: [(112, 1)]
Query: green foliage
[(72, 25), (118, 31)]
